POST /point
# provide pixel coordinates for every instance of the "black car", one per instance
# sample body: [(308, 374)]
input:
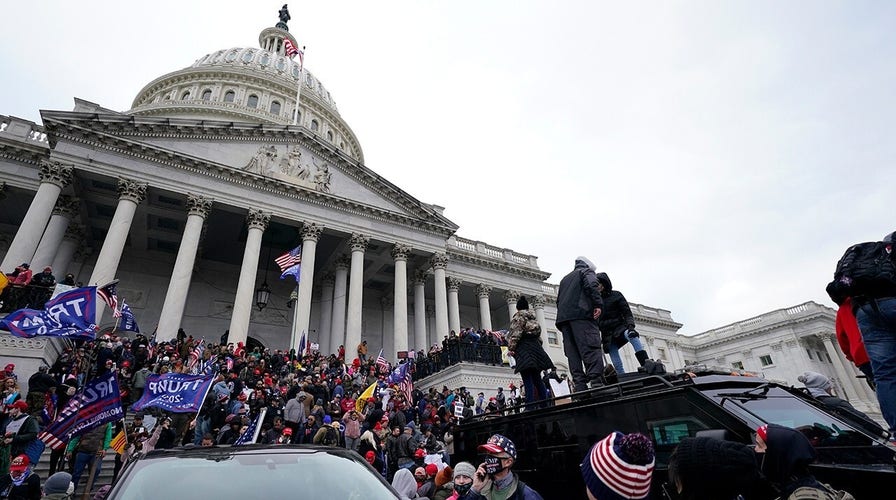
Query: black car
[(251, 471), (551, 442)]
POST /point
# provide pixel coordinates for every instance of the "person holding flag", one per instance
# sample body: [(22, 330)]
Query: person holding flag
[(381, 363)]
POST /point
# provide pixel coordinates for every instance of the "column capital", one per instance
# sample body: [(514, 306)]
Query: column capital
[(439, 261), (511, 296), (66, 206), (198, 205), (400, 251), (453, 283), (311, 231), (826, 336), (131, 190), (359, 242), (256, 219), (74, 232), (343, 262), (538, 301), (419, 277), (483, 290), (328, 279), (56, 173)]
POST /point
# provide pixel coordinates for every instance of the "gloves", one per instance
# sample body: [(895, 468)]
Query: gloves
[(632, 333)]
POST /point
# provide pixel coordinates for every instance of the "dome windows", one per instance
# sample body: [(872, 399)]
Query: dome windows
[(185, 96), (231, 56), (265, 59), (281, 64), (229, 96), (275, 107), (248, 55), (314, 125), (252, 102), (329, 136), (207, 95)]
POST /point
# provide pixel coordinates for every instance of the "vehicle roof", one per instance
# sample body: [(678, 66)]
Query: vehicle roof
[(268, 449)]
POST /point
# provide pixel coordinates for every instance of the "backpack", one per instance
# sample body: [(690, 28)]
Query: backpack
[(330, 437), (866, 269), (823, 493)]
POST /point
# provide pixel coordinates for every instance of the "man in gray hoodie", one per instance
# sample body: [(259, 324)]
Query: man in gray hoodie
[(578, 306)]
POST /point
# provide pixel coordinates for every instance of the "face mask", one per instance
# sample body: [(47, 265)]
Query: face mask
[(462, 489), (493, 465)]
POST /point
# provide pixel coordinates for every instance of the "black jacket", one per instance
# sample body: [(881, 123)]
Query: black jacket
[(616, 316), (578, 297)]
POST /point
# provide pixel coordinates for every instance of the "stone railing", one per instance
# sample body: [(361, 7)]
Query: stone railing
[(492, 252), (23, 130), (768, 319)]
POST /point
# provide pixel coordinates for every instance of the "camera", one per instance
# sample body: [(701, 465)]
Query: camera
[(492, 465)]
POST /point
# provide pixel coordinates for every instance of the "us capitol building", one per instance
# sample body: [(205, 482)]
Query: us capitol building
[(190, 195)]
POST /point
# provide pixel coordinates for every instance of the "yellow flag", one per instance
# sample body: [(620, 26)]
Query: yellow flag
[(361, 402), (3, 281), (119, 442)]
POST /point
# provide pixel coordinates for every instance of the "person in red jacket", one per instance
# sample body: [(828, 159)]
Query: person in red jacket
[(850, 339)]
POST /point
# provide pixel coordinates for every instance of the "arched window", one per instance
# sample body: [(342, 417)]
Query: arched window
[(228, 97), (207, 95), (186, 96), (329, 136), (314, 125), (275, 107), (253, 101)]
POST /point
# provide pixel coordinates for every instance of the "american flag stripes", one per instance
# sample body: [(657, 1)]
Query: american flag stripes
[(401, 376), (99, 402), (251, 433), (291, 49), (195, 356), (109, 294), (289, 259), (381, 362)]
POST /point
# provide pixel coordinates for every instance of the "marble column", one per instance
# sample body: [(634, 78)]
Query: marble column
[(326, 313), (453, 304), (244, 299), (310, 234), (510, 297), (53, 177), (387, 306), (130, 194), (485, 313), (432, 334), (400, 253), (198, 208), (74, 236), (355, 296), (538, 302), (847, 378), (440, 296), (339, 295), (420, 311), (65, 211)]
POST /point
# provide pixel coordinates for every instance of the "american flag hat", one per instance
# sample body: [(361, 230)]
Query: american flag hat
[(619, 467), (499, 444)]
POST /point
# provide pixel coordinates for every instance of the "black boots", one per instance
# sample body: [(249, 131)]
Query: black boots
[(642, 356)]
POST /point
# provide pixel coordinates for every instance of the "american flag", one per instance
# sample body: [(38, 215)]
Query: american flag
[(108, 293), (196, 355), (402, 376), (249, 436), (291, 51), (289, 259), (382, 363)]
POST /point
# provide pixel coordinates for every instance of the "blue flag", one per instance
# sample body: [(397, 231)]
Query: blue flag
[(175, 392), (70, 314), (128, 322), (97, 404), (292, 271)]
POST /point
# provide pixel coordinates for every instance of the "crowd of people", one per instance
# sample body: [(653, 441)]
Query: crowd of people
[(24, 288)]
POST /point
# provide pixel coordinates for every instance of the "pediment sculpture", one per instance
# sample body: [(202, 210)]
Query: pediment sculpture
[(288, 165)]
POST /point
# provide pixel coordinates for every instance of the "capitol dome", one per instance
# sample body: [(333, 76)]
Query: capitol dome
[(249, 85)]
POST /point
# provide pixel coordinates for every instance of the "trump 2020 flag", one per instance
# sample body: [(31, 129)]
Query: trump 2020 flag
[(127, 322), (98, 403), (70, 314), (175, 392)]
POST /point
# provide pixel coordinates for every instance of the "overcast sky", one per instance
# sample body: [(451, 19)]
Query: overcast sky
[(714, 158)]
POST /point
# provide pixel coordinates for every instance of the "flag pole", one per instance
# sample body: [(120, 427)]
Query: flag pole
[(258, 424), (295, 113)]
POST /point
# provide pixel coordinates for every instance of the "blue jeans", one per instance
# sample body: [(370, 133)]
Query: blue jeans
[(83, 461), (878, 327), (534, 387), (613, 351), (203, 427)]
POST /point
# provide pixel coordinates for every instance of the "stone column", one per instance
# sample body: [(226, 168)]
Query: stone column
[(400, 253), (420, 311), (511, 296), (355, 296), (326, 313), (310, 234), (74, 235), (198, 208), (53, 177), (387, 306), (485, 313), (432, 334), (339, 296), (245, 289), (63, 214), (847, 378), (453, 304), (439, 266), (538, 302), (130, 194)]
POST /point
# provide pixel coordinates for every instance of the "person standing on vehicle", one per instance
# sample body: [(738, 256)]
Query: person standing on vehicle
[(524, 344), (494, 479), (617, 324), (619, 467), (579, 306)]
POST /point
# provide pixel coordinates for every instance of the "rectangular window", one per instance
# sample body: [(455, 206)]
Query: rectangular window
[(552, 338), (766, 360), (809, 353), (738, 364), (661, 354)]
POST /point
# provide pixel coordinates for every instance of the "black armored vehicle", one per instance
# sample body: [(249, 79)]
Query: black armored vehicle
[(552, 441)]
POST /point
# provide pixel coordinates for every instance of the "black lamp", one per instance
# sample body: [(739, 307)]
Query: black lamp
[(262, 295)]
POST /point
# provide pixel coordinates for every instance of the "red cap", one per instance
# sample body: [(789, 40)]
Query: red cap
[(20, 463), (370, 457), (432, 469), (287, 431), (763, 432), (20, 405), (419, 453)]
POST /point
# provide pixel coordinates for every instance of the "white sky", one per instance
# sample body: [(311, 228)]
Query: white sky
[(715, 158)]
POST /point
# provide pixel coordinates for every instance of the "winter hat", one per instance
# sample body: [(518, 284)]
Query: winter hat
[(444, 476), (464, 469), (432, 469), (713, 469), (818, 384), (587, 262), (522, 304), (619, 466), (327, 419), (61, 482), (19, 404), (20, 463)]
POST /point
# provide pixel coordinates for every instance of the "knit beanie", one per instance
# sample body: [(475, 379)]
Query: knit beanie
[(713, 469), (327, 419), (522, 304), (619, 467), (464, 469), (59, 483), (444, 476)]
